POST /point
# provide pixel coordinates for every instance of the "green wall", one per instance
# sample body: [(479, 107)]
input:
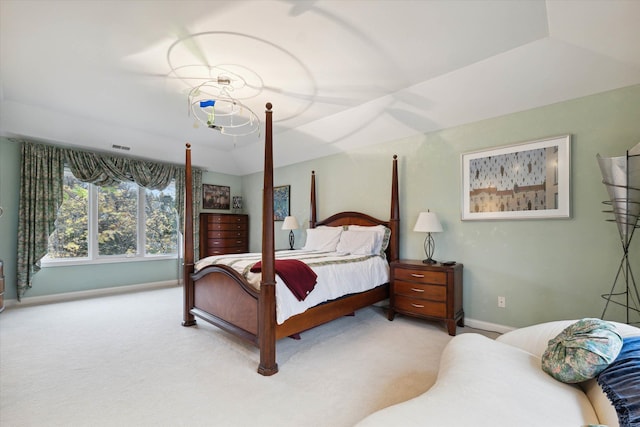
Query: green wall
[(547, 268), (9, 188)]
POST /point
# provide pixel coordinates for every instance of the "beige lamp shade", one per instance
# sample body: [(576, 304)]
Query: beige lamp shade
[(290, 223), (428, 223)]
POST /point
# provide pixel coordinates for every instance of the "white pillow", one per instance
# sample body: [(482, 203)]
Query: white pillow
[(357, 242), (322, 239), (382, 236)]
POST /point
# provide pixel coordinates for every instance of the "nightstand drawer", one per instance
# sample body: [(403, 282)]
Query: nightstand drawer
[(420, 307), (422, 276), (416, 290)]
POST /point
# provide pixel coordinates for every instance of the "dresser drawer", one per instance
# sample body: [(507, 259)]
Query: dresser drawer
[(420, 276), (226, 243), (227, 234), (227, 226), (418, 290), (420, 307), (225, 251), (227, 219)]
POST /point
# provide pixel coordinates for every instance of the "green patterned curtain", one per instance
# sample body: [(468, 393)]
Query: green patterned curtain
[(41, 176), (103, 170), (196, 178)]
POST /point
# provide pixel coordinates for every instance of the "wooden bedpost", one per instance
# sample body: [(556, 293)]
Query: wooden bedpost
[(267, 296), (187, 269), (394, 221), (312, 209)]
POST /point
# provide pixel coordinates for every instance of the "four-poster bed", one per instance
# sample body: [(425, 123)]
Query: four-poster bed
[(222, 296)]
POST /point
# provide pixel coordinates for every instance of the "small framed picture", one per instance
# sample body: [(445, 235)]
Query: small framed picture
[(520, 181), (215, 196), (237, 202), (281, 202)]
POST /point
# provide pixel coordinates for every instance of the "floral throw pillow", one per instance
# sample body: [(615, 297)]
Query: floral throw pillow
[(582, 351)]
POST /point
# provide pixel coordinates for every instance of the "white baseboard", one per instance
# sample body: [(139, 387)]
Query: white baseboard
[(70, 296), (487, 326)]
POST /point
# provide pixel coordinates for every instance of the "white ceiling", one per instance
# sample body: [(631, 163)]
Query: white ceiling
[(340, 74)]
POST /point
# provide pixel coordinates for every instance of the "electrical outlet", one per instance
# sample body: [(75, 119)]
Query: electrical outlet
[(502, 302)]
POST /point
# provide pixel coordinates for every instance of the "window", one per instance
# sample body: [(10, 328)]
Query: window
[(110, 223)]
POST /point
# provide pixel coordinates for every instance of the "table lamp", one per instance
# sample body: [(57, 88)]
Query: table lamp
[(290, 223), (428, 223)]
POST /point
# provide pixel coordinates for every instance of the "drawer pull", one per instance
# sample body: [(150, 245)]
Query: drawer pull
[(417, 305), (417, 290), (421, 276)]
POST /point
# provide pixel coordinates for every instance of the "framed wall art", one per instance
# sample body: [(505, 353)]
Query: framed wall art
[(520, 181), (215, 196), (281, 202)]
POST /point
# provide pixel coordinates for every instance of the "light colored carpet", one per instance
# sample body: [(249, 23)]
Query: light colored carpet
[(125, 360)]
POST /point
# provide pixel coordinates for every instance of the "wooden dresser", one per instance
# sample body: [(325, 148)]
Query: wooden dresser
[(223, 234), (430, 291)]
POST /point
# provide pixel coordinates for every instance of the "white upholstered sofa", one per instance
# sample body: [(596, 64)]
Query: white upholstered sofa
[(485, 382)]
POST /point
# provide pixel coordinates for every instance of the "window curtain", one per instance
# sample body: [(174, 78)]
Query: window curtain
[(41, 194), (41, 174), (196, 178)]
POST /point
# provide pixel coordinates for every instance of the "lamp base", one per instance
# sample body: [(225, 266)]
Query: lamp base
[(429, 247), (291, 240)]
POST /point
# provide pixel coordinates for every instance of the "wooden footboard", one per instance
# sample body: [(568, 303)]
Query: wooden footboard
[(223, 298)]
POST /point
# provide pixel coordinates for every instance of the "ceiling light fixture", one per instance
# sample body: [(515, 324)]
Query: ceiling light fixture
[(212, 105)]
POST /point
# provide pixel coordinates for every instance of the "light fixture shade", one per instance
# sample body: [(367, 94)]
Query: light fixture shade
[(290, 223), (428, 223), (621, 176)]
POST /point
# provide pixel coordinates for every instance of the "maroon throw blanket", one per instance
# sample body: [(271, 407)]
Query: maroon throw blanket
[(297, 275)]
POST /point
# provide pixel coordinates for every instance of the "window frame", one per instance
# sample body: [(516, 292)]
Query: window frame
[(94, 257)]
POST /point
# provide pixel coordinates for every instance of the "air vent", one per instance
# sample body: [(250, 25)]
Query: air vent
[(121, 147)]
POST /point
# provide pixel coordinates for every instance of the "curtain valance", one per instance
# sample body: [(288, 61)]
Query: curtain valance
[(105, 170)]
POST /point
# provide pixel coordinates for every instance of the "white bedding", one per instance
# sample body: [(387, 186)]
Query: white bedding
[(338, 275)]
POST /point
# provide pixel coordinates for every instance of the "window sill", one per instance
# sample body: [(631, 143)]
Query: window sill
[(48, 263)]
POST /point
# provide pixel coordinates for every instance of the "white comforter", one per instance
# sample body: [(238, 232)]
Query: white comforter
[(338, 275)]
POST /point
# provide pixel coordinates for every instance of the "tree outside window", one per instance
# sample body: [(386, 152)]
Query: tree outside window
[(129, 221)]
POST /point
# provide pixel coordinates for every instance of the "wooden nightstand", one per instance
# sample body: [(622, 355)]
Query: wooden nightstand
[(429, 291)]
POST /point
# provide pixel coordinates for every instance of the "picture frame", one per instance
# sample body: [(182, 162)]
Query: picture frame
[(237, 202), (281, 202), (216, 196), (529, 180)]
